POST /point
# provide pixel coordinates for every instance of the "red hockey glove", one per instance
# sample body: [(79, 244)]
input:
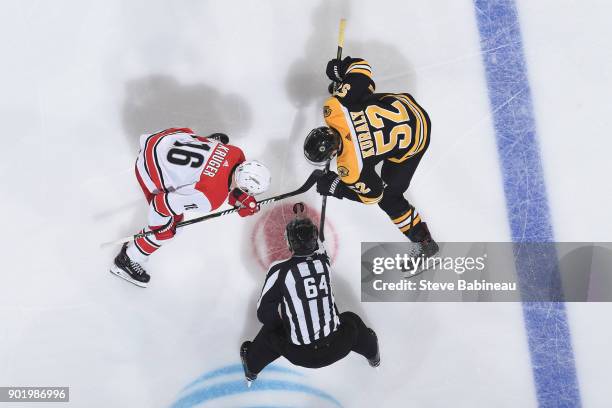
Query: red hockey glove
[(163, 232), (248, 205)]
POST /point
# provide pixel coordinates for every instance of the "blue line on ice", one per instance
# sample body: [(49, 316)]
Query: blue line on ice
[(546, 323)]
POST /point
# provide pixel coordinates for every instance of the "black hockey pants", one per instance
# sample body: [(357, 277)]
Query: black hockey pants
[(352, 335)]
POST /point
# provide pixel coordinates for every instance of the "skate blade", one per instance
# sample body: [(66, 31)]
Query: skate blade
[(120, 273)]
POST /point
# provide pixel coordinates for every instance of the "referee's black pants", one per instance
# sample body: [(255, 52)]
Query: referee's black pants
[(352, 335)]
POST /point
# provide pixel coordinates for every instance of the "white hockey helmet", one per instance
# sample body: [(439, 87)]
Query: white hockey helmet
[(252, 177)]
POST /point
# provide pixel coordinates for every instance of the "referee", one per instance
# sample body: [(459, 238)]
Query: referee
[(299, 315)]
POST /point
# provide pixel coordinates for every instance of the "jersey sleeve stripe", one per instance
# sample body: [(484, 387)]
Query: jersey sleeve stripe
[(360, 67), (167, 202), (160, 206), (158, 169), (370, 200), (151, 160), (154, 204), (359, 64), (361, 71)]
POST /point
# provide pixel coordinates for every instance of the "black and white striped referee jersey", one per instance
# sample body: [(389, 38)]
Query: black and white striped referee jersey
[(302, 288)]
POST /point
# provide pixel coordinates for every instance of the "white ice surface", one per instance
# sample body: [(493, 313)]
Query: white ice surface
[(81, 80)]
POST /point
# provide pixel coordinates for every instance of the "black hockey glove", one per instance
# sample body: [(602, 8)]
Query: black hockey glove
[(221, 137), (336, 69), (329, 184)]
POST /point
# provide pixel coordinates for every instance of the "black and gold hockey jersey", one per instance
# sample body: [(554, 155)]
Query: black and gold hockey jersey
[(374, 127)]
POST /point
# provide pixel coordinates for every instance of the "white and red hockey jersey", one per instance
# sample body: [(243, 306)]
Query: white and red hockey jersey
[(181, 171)]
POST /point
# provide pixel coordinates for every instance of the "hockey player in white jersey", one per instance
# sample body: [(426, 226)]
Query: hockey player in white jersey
[(179, 171)]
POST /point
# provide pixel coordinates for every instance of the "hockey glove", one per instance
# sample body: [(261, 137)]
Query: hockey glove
[(247, 204), (336, 69), (329, 184), (221, 137), (168, 231)]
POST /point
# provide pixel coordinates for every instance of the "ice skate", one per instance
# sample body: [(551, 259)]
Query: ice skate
[(129, 270), (423, 246), (375, 361), (249, 375)]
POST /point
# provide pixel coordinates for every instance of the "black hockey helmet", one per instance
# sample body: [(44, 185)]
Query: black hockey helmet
[(302, 236), (321, 145)]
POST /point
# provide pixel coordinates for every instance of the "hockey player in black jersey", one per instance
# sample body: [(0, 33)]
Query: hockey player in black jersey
[(299, 315), (363, 129)]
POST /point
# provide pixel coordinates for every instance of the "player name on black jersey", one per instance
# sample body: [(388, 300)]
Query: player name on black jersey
[(366, 144)]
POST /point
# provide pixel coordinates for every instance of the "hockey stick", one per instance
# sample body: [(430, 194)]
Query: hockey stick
[(324, 204), (312, 179), (340, 40), (323, 207)]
